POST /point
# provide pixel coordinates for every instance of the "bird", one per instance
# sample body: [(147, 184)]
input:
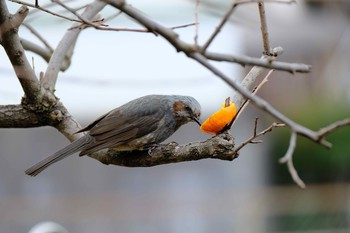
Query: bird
[(140, 124)]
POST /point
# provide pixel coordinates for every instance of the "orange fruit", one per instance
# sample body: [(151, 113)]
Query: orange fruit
[(217, 121)]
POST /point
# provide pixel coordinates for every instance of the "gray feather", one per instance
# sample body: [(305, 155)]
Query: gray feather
[(75, 146)]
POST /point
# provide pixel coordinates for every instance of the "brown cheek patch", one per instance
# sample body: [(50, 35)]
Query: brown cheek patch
[(178, 106)]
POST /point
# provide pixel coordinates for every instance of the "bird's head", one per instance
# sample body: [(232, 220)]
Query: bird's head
[(186, 109)]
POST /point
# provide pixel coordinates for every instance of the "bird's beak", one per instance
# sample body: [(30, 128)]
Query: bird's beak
[(197, 120)]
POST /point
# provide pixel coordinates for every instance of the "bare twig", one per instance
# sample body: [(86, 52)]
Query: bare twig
[(45, 10), (103, 28), (100, 26), (196, 20), (330, 128), (290, 151), (264, 30), (255, 135), (37, 34), (246, 60), (288, 158), (183, 26), (275, 1), (293, 172), (80, 17), (219, 27)]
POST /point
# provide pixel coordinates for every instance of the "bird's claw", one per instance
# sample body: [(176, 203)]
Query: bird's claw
[(152, 147)]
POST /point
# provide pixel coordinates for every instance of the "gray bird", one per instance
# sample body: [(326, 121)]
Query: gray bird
[(137, 125)]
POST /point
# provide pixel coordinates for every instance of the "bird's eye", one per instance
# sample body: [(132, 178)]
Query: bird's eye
[(188, 109)]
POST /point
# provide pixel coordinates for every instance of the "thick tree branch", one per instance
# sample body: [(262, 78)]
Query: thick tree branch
[(251, 77), (248, 82), (35, 115), (66, 123), (11, 42), (42, 52), (15, 116), (218, 147), (242, 102)]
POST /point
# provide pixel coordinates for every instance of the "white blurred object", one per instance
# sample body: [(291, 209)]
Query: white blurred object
[(48, 227)]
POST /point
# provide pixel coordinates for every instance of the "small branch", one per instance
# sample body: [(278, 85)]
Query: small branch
[(37, 34), (42, 52), (183, 26), (293, 172), (104, 28), (246, 60), (332, 127), (288, 158), (219, 27), (256, 135), (264, 30), (44, 10), (291, 148), (275, 1), (196, 20), (80, 17)]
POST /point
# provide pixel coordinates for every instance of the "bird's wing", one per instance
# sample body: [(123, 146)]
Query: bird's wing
[(120, 127), (88, 127)]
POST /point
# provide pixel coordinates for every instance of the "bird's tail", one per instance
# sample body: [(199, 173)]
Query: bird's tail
[(59, 155)]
